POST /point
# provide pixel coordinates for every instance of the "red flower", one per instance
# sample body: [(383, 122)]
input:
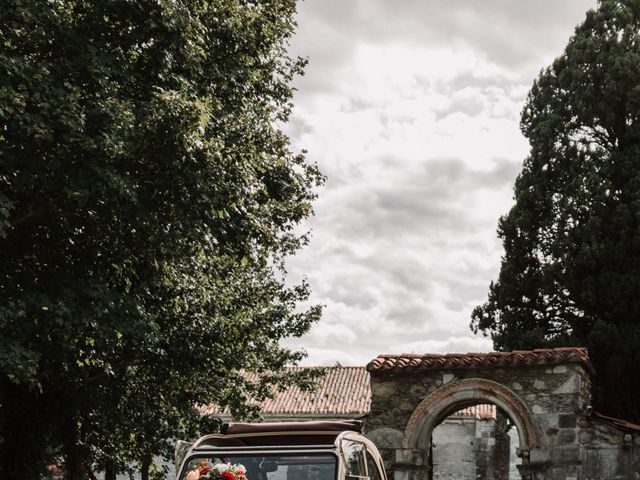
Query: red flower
[(228, 476), (205, 470)]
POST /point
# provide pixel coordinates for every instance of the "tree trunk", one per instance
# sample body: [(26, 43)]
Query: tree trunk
[(24, 432), (144, 471), (71, 450), (90, 474), (110, 470)]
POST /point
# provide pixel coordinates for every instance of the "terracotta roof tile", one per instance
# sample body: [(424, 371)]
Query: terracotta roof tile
[(617, 422), (394, 363), (343, 391), (482, 411)]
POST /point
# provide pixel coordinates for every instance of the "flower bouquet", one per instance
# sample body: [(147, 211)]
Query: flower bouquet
[(220, 471)]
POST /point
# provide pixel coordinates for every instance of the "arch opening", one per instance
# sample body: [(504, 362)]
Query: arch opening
[(456, 396), (476, 442)]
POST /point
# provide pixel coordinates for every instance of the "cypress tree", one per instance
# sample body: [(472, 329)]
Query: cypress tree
[(570, 274)]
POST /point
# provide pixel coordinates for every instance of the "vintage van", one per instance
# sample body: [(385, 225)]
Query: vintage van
[(321, 450)]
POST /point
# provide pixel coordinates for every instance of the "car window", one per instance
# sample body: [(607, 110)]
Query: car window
[(293, 466), (372, 468), (354, 457)]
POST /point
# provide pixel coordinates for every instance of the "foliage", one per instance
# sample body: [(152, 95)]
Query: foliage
[(569, 274), (148, 201)]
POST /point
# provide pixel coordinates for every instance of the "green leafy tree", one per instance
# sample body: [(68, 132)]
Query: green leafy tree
[(570, 271), (148, 201)]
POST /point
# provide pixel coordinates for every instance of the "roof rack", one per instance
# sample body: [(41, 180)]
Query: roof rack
[(291, 427)]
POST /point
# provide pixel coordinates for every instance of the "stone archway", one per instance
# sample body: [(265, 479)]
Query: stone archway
[(543, 392), (463, 393)]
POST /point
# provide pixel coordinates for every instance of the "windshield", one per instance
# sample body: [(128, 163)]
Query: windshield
[(277, 466)]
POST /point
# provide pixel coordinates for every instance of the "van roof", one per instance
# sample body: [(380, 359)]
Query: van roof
[(279, 434)]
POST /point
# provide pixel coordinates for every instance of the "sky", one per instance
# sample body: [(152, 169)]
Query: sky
[(411, 109)]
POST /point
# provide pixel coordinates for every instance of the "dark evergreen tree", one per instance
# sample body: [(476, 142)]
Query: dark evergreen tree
[(570, 273), (148, 200)]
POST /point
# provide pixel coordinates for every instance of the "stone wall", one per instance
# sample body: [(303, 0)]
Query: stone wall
[(608, 452), (544, 393)]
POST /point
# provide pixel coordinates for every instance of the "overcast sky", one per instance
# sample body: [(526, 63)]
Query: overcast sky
[(411, 109)]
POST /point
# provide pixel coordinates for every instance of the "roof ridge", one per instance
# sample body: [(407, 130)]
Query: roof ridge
[(331, 367), (516, 358)]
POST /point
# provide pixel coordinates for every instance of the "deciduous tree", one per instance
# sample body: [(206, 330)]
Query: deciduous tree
[(148, 201)]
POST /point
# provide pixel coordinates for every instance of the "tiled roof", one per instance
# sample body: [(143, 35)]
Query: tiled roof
[(343, 391), (618, 422), (449, 361), (482, 411)]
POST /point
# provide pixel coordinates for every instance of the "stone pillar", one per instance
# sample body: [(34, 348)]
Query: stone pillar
[(484, 457), (532, 471), (533, 466), (502, 446), (388, 440), (411, 464)]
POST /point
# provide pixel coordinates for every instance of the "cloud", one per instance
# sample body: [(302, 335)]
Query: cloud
[(337, 334), (467, 344), (412, 111), (507, 32), (320, 357)]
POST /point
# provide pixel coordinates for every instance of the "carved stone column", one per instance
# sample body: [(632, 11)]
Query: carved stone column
[(501, 455), (532, 469), (411, 464)]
